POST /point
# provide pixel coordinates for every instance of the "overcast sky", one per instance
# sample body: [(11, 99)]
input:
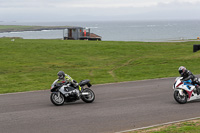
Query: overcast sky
[(91, 10)]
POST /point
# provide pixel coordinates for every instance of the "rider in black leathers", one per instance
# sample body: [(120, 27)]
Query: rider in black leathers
[(186, 74)]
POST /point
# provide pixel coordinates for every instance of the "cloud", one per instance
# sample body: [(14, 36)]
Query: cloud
[(89, 3), (106, 4), (96, 9)]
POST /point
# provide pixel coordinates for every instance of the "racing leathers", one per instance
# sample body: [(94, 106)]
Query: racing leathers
[(68, 79), (187, 75)]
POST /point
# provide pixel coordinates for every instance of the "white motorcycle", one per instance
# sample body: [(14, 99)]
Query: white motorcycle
[(184, 91)]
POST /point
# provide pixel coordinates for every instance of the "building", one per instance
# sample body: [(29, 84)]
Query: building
[(79, 33)]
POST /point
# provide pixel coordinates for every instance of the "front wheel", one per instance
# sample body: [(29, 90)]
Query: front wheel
[(57, 99), (180, 99), (89, 98)]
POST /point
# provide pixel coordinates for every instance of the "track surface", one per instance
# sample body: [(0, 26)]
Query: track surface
[(117, 107)]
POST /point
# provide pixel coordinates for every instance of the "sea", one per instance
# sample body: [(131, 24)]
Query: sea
[(163, 30)]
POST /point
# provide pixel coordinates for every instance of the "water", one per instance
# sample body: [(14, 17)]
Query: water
[(118, 30)]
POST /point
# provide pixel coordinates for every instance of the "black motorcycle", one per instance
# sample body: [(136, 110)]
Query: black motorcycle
[(66, 92)]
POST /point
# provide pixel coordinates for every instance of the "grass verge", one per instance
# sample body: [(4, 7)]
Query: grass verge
[(27, 65), (192, 126)]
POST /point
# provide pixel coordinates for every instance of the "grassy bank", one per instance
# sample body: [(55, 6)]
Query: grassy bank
[(28, 65), (16, 28), (192, 126)]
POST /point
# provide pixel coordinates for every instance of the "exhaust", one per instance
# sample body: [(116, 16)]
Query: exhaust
[(85, 93)]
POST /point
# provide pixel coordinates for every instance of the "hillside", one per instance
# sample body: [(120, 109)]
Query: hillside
[(33, 64)]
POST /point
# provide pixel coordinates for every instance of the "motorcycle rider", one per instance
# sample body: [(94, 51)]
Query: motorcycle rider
[(187, 75), (64, 78)]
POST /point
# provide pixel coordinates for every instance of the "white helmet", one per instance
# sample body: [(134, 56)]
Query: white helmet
[(182, 70)]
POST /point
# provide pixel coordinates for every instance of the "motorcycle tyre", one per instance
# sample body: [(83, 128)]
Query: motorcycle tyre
[(85, 99), (180, 101), (57, 104)]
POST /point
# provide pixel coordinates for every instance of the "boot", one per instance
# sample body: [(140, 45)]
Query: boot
[(77, 93), (197, 89)]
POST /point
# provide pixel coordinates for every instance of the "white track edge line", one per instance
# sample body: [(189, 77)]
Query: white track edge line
[(162, 124), (22, 92), (93, 85)]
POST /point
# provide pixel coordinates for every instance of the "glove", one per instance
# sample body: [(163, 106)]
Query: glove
[(76, 85), (195, 79)]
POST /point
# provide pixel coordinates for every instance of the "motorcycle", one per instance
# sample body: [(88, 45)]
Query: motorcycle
[(184, 91), (66, 92)]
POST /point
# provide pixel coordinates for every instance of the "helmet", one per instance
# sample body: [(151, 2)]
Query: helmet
[(182, 70), (61, 75)]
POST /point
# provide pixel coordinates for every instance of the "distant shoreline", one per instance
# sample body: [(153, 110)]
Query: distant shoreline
[(146, 31), (18, 28)]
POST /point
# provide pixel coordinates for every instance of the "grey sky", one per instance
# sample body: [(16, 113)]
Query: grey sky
[(83, 10)]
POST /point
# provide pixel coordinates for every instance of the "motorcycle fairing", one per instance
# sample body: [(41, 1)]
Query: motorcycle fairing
[(85, 82), (188, 84), (189, 93)]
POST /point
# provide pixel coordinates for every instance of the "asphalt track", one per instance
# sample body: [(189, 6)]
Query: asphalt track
[(117, 107)]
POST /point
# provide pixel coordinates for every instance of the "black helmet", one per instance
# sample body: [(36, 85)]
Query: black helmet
[(61, 75), (182, 70)]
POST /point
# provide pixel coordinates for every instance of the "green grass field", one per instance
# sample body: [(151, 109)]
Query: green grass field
[(28, 65)]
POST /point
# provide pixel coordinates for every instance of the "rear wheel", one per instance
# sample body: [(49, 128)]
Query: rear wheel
[(88, 98), (57, 99), (180, 98)]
